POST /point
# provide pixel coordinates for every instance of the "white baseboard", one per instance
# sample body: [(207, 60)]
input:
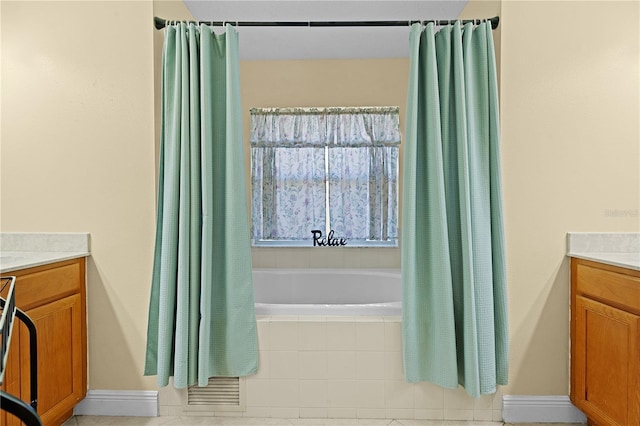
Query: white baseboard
[(118, 403), (515, 408), (540, 409)]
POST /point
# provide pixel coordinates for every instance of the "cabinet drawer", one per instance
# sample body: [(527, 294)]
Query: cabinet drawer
[(37, 286), (615, 288)]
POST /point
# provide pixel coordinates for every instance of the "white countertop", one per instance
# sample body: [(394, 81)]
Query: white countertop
[(617, 249), (15, 260), (27, 250)]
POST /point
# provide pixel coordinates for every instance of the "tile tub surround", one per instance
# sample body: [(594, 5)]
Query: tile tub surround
[(20, 250), (613, 248), (340, 367)]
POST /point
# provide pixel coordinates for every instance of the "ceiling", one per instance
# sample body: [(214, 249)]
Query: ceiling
[(262, 43)]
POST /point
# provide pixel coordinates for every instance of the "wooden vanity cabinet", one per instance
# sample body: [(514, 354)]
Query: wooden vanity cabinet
[(605, 343), (53, 296)]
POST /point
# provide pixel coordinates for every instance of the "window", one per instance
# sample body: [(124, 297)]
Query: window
[(321, 172)]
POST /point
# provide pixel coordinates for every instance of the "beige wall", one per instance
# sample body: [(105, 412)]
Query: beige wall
[(570, 153), (77, 154)]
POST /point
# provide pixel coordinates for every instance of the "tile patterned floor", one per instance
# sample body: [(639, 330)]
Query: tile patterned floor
[(241, 421)]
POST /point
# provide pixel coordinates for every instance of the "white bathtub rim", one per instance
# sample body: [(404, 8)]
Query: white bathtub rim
[(328, 291), (369, 309)]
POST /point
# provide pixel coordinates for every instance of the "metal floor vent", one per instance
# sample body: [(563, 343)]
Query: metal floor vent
[(221, 391)]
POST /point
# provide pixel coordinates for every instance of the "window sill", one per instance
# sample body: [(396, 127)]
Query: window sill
[(309, 244)]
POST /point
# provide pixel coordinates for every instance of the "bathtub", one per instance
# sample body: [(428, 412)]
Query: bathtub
[(327, 292), (330, 346)]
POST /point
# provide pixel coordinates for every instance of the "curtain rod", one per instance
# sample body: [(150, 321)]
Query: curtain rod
[(161, 23)]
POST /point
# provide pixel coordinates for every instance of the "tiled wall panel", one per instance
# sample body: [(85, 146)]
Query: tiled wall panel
[(342, 367)]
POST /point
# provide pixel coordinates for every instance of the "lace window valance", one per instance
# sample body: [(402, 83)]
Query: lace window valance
[(317, 127)]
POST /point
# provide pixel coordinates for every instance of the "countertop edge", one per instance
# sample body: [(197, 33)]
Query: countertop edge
[(613, 259), (32, 260)]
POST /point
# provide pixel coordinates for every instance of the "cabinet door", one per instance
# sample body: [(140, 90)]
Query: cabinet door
[(60, 358), (607, 363)]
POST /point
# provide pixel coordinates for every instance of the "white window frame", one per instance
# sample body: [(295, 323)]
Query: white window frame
[(256, 138)]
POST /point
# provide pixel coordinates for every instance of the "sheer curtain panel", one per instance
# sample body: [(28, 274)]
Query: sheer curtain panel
[(201, 318), (453, 265)]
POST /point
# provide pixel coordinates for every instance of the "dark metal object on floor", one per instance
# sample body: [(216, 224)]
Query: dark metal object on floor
[(27, 413)]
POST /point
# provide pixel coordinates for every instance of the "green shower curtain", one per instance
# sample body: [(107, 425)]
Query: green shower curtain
[(201, 318), (453, 266)]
